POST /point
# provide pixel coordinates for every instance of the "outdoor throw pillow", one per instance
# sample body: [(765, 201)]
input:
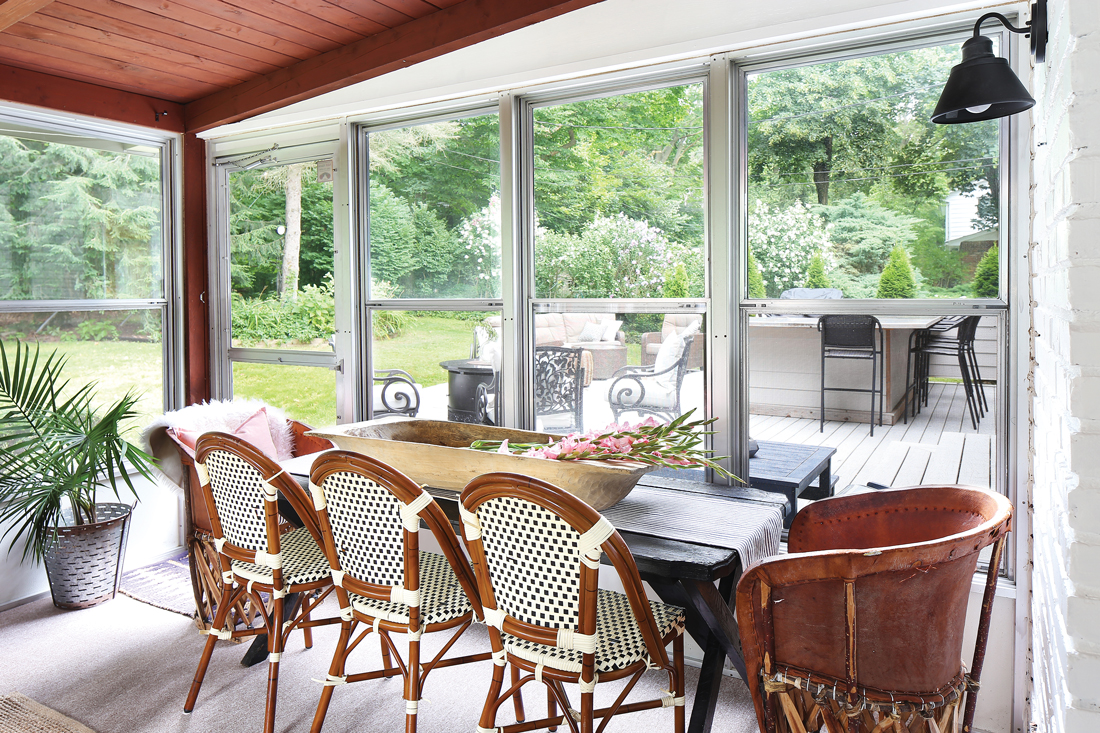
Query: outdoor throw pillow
[(672, 348), (611, 330), (591, 332)]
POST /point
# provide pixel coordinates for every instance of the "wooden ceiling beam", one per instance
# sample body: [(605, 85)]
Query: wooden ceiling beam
[(79, 97), (13, 11), (458, 26)]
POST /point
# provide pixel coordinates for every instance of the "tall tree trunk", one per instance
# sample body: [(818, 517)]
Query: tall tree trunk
[(292, 240), (822, 169)]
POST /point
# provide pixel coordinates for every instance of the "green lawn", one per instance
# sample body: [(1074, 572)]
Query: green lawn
[(427, 341), (116, 367)]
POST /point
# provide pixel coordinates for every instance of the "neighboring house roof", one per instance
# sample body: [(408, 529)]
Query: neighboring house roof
[(985, 235)]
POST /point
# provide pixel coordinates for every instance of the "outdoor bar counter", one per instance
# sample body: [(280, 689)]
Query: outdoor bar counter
[(785, 369)]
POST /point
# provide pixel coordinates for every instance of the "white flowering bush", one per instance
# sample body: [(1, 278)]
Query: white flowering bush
[(783, 242), (479, 249), (615, 257)]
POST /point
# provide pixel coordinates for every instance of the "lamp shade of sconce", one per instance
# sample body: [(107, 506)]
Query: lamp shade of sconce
[(983, 86)]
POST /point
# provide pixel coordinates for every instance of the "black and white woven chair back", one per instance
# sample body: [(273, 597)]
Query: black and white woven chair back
[(240, 492), (367, 527), (533, 559)]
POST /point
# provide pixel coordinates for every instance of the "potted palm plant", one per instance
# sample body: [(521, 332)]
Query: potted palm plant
[(56, 452)]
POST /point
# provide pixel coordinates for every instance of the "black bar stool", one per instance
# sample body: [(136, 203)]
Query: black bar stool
[(853, 337)]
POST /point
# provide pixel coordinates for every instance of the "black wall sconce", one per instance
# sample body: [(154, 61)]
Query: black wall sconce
[(983, 87)]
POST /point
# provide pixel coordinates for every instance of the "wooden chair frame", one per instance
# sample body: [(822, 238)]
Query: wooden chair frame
[(582, 518), (414, 672), (848, 556), (276, 481), (202, 557)]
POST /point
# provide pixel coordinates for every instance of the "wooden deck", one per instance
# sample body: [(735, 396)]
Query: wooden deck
[(938, 446)]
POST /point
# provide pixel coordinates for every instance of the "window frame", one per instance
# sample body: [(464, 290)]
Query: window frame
[(170, 303), (1010, 462)]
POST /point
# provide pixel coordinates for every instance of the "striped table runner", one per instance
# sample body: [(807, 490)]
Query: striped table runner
[(751, 528)]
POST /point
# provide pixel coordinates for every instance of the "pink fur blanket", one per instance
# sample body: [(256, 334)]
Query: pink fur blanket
[(222, 415)]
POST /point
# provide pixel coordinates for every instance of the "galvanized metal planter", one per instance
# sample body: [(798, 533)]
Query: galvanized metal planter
[(84, 562), (436, 453)]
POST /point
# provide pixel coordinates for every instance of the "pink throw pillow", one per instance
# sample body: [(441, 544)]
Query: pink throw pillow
[(254, 430), (186, 438)]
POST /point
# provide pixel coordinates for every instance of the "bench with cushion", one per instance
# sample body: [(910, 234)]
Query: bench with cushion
[(603, 342)]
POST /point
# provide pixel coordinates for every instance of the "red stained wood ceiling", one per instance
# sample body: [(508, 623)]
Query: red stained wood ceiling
[(225, 60)]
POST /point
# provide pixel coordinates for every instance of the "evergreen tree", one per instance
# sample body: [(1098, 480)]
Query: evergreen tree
[(987, 277), (897, 279), (676, 286), (816, 277), (756, 280)]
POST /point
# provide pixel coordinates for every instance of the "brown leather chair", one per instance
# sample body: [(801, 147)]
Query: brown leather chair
[(860, 627)]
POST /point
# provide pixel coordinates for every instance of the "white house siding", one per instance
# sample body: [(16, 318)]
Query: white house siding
[(1065, 282)]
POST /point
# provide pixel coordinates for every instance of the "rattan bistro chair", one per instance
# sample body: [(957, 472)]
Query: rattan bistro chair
[(860, 626), (853, 337), (536, 551), (241, 488), (370, 517)]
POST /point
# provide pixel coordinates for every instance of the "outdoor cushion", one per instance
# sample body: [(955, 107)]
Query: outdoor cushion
[(611, 330)]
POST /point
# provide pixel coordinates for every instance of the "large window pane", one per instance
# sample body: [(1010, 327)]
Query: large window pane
[(851, 186), (79, 222), (619, 196), (281, 248), (118, 350), (435, 210), (446, 354)]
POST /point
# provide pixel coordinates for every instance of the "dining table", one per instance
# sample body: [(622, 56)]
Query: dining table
[(691, 541)]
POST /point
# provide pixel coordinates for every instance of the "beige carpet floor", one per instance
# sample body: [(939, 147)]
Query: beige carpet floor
[(125, 667)]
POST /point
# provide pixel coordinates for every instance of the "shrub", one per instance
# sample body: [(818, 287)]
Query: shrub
[(387, 324), (864, 233), (987, 277), (615, 257), (785, 241), (897, 279), (816, 278), (479, 240), (97, 331), (756, 280), (676, 286)]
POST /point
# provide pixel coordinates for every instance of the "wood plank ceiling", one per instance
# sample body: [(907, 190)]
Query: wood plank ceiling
[(229, 59)]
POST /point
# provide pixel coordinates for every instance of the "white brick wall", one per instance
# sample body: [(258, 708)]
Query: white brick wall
[(1065, 287)]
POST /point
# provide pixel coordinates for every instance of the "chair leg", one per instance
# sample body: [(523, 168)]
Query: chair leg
[(207, 650), (822, 428), (875, 365), (492, 700), (587, 712), (275, 650), (412, 686), (551, 706), (977, 378), (968, 388), (517, 699), (678, 663), (336, 669)]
